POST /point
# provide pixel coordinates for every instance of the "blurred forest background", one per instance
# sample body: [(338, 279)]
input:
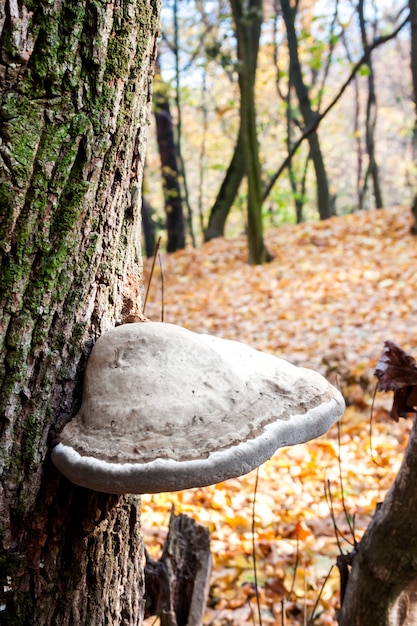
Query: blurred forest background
[(266, 115), (341, 68)]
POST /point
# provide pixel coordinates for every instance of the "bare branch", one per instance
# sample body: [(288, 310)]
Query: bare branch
[(314, 124)]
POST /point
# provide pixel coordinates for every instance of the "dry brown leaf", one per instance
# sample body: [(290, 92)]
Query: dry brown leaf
[(335, 291)]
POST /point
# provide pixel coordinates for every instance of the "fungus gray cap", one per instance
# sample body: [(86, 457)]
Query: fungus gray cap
[(165, 409)]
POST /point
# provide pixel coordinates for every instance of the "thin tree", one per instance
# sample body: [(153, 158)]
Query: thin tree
[(289, 13), (319, 117), (413, 20), (297, 187), (169, 166), (182, 168), (371, 116), (356, 126), (228, 190), (248, 20)]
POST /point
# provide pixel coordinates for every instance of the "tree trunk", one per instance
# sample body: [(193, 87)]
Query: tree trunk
[(298, 189), (296, 79), (74, 111), (181, 161), (248, 20), (227, 193), (169, 167), (413, 20), (148, 228), (360, 190), (382, 585), (370, 123)]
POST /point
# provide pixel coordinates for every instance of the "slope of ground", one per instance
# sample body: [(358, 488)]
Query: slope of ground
[(334, 293)]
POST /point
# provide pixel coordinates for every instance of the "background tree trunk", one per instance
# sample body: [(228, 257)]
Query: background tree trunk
[(296, 79), (227, 192), (370, 122), (169, 168), (148, 227), (248, 20), (74, 108), (413, 20), (181, 161)]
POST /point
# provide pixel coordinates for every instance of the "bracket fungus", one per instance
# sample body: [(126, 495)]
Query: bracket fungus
[(165, 409)]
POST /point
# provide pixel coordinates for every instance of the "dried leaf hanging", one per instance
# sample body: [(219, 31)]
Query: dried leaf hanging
[(397, 371)]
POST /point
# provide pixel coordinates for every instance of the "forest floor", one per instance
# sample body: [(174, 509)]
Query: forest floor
[(334, 293)]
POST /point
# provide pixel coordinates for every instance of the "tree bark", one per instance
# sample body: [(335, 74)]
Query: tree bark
[(148, 228), (75, 82), (181, 161), (413, 21), (296, 79), (177, 585), (227, 193), (371, 113), (248, 20), (382, 584), (170, 172)]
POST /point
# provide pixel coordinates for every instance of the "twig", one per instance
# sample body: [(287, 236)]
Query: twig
[(305, 595), (284, 600), (162, 289), (343, 561), (255, 573), (349, 523), (283, 609), (251, 611), (158, 243), (297, 557), (312, 618), (338, 533), (373, 459)]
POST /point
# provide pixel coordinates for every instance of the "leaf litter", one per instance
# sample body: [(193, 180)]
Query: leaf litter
[(334, 293)]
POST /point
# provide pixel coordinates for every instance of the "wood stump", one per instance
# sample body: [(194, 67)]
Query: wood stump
[(176, 586)]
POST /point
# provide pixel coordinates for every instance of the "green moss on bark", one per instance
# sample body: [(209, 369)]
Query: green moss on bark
[(67, 129), (22, 123)]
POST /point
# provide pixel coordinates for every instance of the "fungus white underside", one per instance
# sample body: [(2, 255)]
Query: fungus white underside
[(166, 409)]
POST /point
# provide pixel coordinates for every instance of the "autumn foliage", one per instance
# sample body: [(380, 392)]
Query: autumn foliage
[(336, 291)]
